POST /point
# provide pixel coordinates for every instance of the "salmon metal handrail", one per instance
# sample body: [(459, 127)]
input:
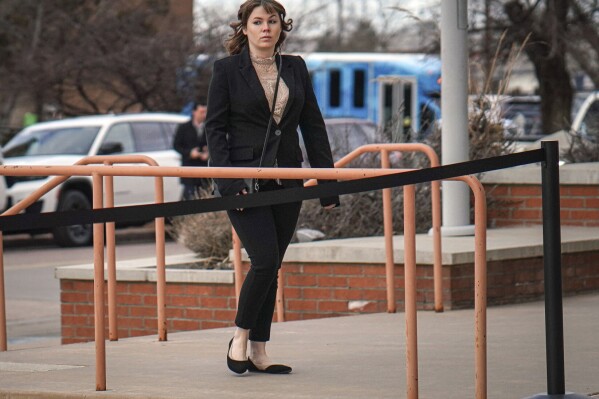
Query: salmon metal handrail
[(98, 172)]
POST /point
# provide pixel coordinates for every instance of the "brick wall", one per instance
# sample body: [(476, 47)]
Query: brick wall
[(521, 205), (188, 307), (314, 291)]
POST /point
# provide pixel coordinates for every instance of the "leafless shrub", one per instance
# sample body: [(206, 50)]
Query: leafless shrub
[(361, 214), (206, 234), (581, 149)]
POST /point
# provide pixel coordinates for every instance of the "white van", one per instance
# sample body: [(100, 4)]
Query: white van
[(66, 141)]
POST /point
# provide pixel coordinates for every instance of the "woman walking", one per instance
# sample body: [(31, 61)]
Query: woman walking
[(254, 90)]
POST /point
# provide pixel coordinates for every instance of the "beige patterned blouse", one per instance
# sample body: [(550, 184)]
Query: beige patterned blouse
[(266, 70)]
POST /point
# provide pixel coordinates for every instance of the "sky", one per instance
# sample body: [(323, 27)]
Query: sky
[(378, 11), (356, 7)]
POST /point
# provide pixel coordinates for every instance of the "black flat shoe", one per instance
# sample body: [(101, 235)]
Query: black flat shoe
[(272, 369), (237, 366)]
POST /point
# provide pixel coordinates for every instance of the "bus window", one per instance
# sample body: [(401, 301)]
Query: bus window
[(387, 108), (359, 88), (335, 88), (407, 103)]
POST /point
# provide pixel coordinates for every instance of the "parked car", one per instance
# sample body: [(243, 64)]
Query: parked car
[(66, 141), (586, 120), (345, 135), (585, 125)]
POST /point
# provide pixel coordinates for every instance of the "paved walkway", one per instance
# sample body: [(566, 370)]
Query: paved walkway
[(347, 357)]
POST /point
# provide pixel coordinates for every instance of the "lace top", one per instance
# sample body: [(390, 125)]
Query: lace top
[(266, 70)]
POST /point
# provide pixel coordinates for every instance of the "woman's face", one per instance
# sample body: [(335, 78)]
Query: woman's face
[(262, 30)]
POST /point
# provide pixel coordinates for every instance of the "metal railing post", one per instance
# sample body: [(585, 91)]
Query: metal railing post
[(480, 284), (237, 263), (113, 334), (552, 264), (3, 337), (280, 298), (160, 263), (410, 292), (480, 287), (552, 254), (99, 287), (388, 232), (437, 256)]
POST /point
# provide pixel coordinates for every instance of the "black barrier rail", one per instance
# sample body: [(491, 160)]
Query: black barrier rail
[(27, 221), (548, 155)]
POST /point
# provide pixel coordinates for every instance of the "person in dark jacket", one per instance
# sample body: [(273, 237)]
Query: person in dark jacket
[(190, 142), (240, 101)]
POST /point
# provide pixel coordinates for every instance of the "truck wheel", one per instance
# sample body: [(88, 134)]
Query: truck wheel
[(76, 235)]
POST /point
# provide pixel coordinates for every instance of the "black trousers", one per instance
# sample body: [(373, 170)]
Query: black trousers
[(265, 233)]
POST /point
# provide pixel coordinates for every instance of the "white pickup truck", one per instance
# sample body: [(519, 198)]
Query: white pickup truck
[(585, 125), (66, 141), (586, 121)]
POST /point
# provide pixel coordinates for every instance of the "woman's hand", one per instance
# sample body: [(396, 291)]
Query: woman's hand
[(329, 206)]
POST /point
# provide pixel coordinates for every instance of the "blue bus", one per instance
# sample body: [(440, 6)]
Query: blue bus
[(397, 90)]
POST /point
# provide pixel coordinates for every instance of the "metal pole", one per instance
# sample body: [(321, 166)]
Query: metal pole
[(99, 287), (3, 336), (409, 199), (237, 264), (160, 263), (454, 110), (552, 261), (113, 329), (554, 324), (388, 229)]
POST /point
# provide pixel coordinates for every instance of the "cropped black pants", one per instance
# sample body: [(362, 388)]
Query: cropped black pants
[(265, 233)]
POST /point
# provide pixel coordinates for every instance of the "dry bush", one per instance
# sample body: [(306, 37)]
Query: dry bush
[(206, 234), (361, 214), (581, 149)]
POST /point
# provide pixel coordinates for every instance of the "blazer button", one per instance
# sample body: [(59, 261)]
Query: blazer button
[(277, 132)]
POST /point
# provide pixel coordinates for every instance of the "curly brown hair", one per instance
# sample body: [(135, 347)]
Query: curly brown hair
[(237, 40)]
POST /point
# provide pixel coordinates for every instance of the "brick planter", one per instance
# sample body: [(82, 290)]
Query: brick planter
[(195, 300), (515, 196), (343, 277)]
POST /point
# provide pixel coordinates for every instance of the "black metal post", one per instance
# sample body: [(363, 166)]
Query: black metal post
[(552, 252), (552, 261)]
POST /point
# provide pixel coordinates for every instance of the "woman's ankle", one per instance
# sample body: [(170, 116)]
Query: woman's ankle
[(239, 345), (258, 351)]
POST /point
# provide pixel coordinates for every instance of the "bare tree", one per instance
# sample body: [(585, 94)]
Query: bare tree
[(95, 56), (547, 27), (563, 35), (583, 37)]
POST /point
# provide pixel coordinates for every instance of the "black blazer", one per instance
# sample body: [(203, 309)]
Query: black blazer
[(186, 138), (238, 114)]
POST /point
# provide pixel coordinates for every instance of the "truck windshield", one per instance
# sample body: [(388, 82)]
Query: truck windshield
[(57, 141)]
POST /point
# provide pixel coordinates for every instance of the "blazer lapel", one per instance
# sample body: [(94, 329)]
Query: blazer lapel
[(249, 74), (287, 76)]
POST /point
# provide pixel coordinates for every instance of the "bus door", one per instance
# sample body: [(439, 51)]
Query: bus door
[(398, 106)]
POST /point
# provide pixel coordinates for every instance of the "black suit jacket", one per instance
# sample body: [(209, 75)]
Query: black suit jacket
[(187, 138), (238, 115)]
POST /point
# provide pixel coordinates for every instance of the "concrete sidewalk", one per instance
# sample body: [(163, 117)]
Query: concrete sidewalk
[(359, 356)]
